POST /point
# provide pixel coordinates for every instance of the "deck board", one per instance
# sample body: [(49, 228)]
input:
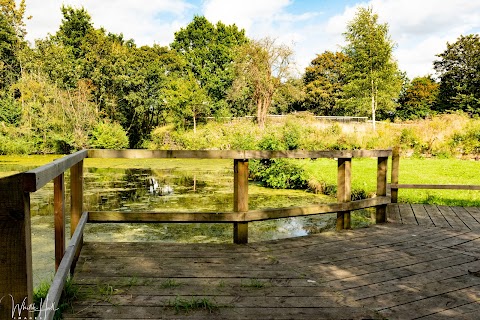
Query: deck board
[(393, 270)]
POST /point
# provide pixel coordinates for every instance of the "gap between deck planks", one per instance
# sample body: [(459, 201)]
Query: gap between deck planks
[(389, 271), (459, 218)]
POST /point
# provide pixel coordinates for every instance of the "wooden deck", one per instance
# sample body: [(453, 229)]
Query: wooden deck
[(458, 218), (394, 271)]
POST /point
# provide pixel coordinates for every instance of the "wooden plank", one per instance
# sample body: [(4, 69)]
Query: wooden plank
[(344, 191), (466, 217), (230, 217), (436, 186), (16, 281), (240, 199), (38, 177), (132, 217), (393, 213), (63, 271), (395, 173), (436, 216), (451, 217), (423, 219), (235, 154), (406, 213), (381, 211), (76, 202), (258, 215), (59, 218)]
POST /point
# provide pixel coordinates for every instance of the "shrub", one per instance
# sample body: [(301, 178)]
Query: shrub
[(279, 174), (107, 135)]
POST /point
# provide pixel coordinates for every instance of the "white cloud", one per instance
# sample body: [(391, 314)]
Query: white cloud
[(420, 29), (135, 19)]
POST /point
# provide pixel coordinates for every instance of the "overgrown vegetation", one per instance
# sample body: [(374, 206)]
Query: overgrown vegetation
[(70, 294), (83, 87)]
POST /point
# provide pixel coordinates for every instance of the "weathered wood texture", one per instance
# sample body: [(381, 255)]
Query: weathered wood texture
[(385, 271), (231, 217), (240, 199), (435, 186), (38, 177), (59, 217), (63, 271), (459, 218), (344, 191), (235, 154), (16, 282), (395, 173), (382, 166), (76, 202)]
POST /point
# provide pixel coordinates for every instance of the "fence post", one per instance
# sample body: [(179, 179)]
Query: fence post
[(395, 172), (240, 199), (344, 191), (16, 281), (381, 211), (76, 203), (59, 217)]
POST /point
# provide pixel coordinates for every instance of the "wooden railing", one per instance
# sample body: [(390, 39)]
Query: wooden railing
[(16, 284), (395, 186), (16, 281)]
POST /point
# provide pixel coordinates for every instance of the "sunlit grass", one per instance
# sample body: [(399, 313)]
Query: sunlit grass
[(412, 171)]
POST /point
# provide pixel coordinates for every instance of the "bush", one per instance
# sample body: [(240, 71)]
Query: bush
[(279, 174), (107, 135)]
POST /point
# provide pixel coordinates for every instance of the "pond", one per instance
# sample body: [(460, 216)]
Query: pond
[(162, 185)]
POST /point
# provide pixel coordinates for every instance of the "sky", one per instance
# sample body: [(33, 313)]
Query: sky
[(419, 28)]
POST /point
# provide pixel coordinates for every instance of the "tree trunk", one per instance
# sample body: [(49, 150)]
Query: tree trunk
[(260, 118)]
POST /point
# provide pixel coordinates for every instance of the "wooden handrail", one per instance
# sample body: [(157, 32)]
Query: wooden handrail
[(235, 154), (435, 186), (232, 217), (38, 177), (54, 293)]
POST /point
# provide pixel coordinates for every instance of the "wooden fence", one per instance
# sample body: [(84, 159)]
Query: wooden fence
[(16, 285), (395, 186)]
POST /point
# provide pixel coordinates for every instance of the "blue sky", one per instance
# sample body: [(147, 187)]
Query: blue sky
[(420, 28)]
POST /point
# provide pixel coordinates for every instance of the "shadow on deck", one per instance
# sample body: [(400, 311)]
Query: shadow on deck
[(393, 271)]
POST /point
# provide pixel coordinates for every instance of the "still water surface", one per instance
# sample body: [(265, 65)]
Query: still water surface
[(164, 185)]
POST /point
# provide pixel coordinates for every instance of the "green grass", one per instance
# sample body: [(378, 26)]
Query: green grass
[(190, 304), (412, 171), (69, 295), (254, 283)]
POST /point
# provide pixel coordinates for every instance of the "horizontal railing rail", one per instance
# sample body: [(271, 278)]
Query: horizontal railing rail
[(435, 186), (37, 178), (236, 154), (229, 216)]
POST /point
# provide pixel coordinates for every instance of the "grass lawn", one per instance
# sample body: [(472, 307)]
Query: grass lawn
[(414, 171)]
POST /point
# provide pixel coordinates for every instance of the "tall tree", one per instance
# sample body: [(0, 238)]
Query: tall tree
[(14, 14), (324, 80), (209, 51), (373, 77), (9, 64), (418, 99), (459, 73), (261, 66), (76, 24)]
